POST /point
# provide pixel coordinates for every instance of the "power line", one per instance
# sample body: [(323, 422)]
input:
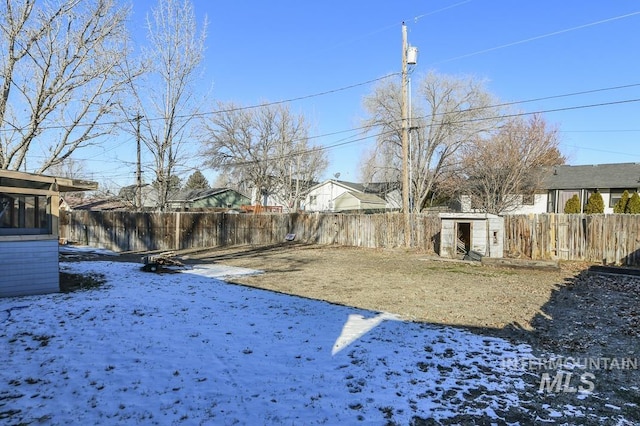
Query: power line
[(327, 92), (349, 141), (393, 26), (522, 114), (515, 43), (629, 154), (565, 95), (602, 131), (339, 144), (202, 114)]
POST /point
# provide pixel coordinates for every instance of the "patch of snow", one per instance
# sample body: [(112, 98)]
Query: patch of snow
[(218, 271), (68, 249), (187, 347)]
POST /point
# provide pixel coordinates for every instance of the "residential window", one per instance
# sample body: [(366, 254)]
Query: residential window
[(24, 214), (616, 194), (528, 199), (551, 201), (313, 199)]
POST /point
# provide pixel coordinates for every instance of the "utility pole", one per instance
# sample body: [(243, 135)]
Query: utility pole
[(405, 143), (139, 166), (409, 56)]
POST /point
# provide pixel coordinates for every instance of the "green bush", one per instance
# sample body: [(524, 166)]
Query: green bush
[(573, 205), (595, 204), (633, 206), (621, 205)]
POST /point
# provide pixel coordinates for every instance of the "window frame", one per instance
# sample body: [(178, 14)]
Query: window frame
[(615, 194), (25, 214)]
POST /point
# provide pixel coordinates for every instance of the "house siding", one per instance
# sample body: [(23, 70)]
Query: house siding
[(539, 205), (325, 195), (39, 258)]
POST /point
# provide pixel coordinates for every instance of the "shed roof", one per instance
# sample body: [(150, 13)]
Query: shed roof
[(14, 179), (620, 175)]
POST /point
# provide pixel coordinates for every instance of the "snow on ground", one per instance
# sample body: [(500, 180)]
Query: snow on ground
[(72, 250), (187, 348)]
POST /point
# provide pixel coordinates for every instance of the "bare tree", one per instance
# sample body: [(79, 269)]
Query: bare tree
[(265, 147), (60, 77), (73, 169), (164, 103), (447, 113), (306, 163), (498, 171)]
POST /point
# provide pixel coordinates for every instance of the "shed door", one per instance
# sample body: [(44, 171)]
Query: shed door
[(463, 237)]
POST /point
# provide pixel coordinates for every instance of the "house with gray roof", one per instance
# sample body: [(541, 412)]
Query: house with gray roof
[(560, 183), (207, 199), (340, 196)]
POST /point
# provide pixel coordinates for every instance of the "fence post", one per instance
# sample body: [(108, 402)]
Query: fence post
[(177, 244)]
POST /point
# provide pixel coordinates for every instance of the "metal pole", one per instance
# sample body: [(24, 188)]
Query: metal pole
[(405, 143)]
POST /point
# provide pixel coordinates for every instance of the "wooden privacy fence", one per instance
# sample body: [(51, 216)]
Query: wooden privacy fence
[(609, 239), (129, 231)]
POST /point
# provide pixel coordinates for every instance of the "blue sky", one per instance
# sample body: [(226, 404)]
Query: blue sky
[(272, 51)]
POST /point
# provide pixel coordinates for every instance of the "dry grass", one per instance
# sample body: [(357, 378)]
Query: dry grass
[(411, 284)]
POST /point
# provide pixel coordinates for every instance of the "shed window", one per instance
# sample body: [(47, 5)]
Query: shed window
[(24, 214)]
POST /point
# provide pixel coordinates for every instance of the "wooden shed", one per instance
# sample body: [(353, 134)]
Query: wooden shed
[(464, 234), (29, 206)]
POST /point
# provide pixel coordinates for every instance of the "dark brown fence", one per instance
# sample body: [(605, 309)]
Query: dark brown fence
[(610, 239)]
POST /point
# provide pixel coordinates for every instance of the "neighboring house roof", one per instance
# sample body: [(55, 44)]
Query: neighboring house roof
[(216, 198), (620, 175), (365, 198), (370, 187), (97, 204), (196, 194), (349, 186), (352, 200)]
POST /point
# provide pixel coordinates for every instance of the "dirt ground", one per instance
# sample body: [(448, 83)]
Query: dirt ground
[(409, 284), (568, 312)]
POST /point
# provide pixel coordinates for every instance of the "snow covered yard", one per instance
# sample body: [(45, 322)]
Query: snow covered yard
[(190, 348)]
